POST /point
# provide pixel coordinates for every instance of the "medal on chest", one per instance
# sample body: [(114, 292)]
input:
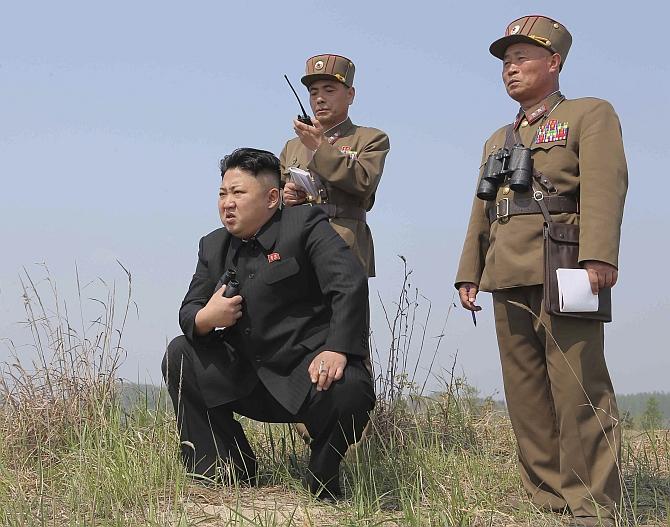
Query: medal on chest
[(552, 131), (347, 151)]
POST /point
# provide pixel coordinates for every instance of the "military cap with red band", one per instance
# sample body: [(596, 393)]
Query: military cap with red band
[(538, 30), (333, 67)]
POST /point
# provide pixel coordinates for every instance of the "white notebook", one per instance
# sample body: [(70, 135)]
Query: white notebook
[(574, 291), (304, 181)]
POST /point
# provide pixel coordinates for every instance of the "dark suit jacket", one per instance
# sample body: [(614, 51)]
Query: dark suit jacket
[(313, 298)]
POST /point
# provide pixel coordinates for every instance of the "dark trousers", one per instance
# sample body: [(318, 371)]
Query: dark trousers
[(212, 439)]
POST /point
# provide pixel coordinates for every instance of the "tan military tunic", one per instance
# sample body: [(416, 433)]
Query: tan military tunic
[(589, 163), (350, 165), (559, 394)]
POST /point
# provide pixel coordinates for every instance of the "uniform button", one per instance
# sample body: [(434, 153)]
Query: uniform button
[(524, 123), (251, 275), (258, 360), (247, 331), (505, 191)]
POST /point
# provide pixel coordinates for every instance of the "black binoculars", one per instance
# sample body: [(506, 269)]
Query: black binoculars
[(232, 289), (229, 283), (515, 166)]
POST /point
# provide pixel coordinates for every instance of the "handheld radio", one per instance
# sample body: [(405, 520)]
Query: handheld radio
[(304, 118)]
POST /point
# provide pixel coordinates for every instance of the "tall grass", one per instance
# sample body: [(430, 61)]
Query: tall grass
[(68, 452), (72, 454)]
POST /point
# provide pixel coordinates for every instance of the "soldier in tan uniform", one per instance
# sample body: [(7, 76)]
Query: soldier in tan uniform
[(347, 159), (558, 390)]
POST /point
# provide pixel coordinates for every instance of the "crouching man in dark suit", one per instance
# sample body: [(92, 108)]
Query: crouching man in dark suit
[(294, 337)]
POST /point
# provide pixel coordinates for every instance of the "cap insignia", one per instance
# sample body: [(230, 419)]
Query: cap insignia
[(514, 30), (318, 65), (552, 131)]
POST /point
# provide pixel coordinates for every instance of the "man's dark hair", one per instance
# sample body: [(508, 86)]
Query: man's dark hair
[(254, 161)]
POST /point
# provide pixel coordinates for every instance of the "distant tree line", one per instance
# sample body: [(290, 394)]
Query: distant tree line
[(645, 410)]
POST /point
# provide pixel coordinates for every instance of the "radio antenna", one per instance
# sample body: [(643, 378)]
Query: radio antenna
[(305, 118)]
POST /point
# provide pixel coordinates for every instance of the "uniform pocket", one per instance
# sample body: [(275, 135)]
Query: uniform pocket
[(549, 145), (281, 270)]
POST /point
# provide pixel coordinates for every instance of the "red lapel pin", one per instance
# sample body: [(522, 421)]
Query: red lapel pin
[(273, 257)]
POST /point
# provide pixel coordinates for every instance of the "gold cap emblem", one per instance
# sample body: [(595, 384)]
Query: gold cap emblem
[(515, 30), (329, 66)]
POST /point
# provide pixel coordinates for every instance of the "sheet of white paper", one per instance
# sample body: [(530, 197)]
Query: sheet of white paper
[(574, 290), (303, 180)]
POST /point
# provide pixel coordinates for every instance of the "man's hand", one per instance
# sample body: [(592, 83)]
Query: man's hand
[(601, 275), (467, 292), (219, 312), (310, 136), (327, 366), (293, 195)]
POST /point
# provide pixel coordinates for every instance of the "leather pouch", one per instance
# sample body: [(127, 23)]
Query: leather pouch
[(561, 251)]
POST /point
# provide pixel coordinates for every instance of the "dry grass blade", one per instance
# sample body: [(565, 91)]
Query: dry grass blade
[(70, 377)]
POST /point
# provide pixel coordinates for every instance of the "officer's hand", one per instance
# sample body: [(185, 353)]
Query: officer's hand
[(468, 294), (327, 366), (310, 136), (219, 312), (601, 275), (293, 195)]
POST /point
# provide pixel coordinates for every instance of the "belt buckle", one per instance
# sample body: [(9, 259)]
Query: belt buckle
[(502, 217)]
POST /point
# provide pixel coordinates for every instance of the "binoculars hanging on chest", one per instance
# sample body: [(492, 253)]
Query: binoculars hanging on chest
[(514, 166)]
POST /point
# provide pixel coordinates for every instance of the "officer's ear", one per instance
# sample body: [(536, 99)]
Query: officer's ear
[(555, 63), (351, 93)]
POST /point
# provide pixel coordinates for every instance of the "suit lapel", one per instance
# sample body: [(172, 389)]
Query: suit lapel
[(269, 234), (219, 255)]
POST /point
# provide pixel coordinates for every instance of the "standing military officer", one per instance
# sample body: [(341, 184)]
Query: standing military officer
[(558, 390), (348, 159)]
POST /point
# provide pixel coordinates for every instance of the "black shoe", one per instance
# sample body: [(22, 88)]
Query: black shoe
[(328, 492)]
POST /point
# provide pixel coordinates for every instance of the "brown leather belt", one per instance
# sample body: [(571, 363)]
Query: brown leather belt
[(506, 207), (348, 212)]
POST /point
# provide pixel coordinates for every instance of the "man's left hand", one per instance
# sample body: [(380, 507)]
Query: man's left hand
[(601, 275), (327, 366), (293, 195), (310, 136)]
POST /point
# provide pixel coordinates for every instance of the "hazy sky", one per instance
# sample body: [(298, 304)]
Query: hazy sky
[(113, 118)]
